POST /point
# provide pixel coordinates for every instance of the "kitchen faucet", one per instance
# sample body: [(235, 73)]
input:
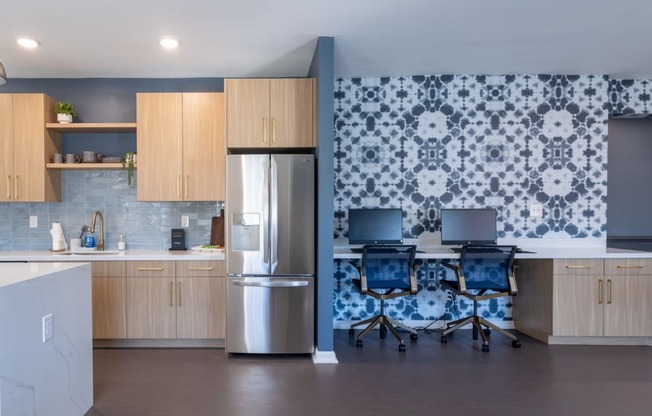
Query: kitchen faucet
[(100, 243)]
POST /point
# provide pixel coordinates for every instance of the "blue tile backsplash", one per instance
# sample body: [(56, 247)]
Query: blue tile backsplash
[(146, 224)]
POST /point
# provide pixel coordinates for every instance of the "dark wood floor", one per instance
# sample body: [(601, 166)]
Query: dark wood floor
[(429, 378)]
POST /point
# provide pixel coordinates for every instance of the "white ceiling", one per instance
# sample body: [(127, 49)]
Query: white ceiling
[(219, 38)]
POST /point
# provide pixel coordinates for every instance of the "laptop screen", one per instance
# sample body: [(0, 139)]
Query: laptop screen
[(376, 226)]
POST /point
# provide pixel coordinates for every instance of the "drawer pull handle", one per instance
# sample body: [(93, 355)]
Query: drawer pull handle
[(150, 269), (578, 267), (630, 267), (200, 268)]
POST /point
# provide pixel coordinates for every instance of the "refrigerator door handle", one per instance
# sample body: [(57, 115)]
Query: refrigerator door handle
[(290, 283), (266, 216), (273, 214)]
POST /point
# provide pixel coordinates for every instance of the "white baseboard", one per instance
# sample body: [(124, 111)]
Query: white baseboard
[(324, 357)]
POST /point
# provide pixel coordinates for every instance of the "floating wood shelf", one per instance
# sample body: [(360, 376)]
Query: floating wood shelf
[(71, 128), (85, 166)]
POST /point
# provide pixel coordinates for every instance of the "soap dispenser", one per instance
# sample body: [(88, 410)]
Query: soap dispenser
[(121, 244)]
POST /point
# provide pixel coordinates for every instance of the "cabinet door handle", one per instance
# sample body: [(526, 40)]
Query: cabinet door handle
[(578, 267), (171, 293), (273, 130), (200, 268), (16, 187), (609, 291), (179, 294), (265, 128), (179, 186), (8, 186), (150, 269), (186, 187), (630, 267), (599, 291)]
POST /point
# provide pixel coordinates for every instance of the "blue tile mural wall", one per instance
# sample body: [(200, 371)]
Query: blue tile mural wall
[(146, 224), (426, 142)]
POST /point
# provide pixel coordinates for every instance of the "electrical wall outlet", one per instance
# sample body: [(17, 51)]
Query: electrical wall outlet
[(536, 210), (185, 222), (47, 327), (33, 221)]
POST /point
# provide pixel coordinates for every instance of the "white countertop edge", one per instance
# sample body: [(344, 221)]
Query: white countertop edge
[(129, 255), (12, 273)]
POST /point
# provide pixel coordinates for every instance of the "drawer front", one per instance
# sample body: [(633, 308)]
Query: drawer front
[(109, 268), (201, 268), (579, 267), (630, 267), (150, 268)]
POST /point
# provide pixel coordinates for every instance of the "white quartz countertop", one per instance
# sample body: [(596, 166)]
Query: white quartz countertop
[(11, 273), (532, 249), (129, 255)]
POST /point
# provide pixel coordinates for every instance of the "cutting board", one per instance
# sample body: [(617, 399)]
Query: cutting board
[(217, 230)]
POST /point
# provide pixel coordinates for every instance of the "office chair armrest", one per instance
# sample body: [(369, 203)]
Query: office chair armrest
[(414, 287), (364, 287)]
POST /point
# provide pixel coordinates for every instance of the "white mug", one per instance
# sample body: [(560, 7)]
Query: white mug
[(75, 244)]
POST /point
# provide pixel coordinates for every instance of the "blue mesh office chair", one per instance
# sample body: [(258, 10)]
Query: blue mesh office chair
[(386, 272), (482, 272)]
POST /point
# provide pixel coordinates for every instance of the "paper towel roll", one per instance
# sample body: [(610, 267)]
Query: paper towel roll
[(58, 239)]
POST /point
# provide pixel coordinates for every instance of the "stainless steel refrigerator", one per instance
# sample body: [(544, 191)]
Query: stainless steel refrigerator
[(270, 253)]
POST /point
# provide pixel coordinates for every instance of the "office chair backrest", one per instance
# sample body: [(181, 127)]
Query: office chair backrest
[(488, 267), (388, 263)]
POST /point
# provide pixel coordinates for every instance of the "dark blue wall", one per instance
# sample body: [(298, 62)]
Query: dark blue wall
[(322, 69), (106, 100)]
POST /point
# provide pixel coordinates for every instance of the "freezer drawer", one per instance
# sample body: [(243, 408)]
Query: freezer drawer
[(270, 315)]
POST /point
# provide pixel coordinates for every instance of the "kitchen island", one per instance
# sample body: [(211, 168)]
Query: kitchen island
[(46, 350)]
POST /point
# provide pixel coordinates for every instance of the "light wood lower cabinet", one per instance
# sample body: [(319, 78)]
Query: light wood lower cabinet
[(109, 299), (584, 298), (186, 300)]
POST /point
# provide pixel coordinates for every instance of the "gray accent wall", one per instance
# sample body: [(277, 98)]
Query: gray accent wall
[(630, 170), (322, 70)]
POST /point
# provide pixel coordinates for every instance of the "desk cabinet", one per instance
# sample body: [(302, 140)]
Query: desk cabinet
[(584, 298)]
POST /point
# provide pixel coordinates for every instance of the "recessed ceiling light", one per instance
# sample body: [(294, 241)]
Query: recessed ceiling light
[(27, 43), (169, 43)]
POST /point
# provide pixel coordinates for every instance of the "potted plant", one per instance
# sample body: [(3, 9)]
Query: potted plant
[(130, 164), (65, 112)]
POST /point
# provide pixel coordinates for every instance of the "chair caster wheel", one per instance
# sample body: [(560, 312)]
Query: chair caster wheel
[(401, 347), (487, 331), (485, 348), (358, 343), (351, 333), (516, 344), (414, 337), (444, 339)]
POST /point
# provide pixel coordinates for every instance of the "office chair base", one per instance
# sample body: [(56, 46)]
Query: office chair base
[(385, 323), (482, 326)]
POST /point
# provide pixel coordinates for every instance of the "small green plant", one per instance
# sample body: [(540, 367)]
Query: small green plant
[(130, 164), (64, 107)]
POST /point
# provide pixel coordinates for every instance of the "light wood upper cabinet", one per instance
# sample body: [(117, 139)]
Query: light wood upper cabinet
[(26, 146), (181, 148), (276, 113)]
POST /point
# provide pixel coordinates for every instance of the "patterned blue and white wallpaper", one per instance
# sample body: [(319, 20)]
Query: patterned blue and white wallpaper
[(426, 142)]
